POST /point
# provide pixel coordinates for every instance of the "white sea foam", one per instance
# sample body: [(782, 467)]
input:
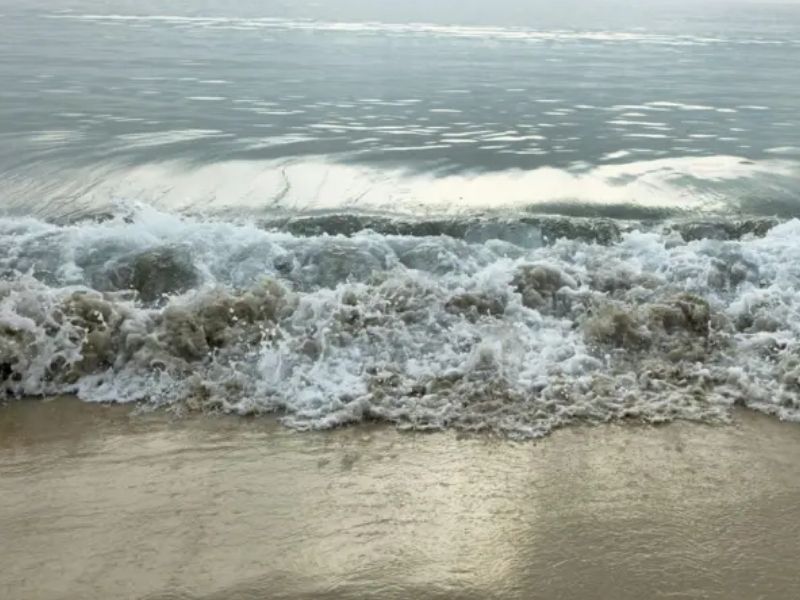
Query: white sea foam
[(501, 330)]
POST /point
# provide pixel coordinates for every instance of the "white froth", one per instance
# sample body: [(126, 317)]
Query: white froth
[(425, 332)]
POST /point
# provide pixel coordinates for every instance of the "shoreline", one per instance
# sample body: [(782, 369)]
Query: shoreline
[(144, 413), (101, 502)]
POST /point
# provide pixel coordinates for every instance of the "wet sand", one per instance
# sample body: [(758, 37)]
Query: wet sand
[(97, 502)]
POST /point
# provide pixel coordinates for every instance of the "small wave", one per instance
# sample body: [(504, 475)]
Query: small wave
[(163, 138), (639, 189), (515, 327), (519, 34)]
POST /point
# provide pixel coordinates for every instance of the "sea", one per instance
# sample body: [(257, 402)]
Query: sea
[(501, 217)]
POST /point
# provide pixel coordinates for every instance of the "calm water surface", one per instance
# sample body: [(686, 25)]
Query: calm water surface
[(672, 106)]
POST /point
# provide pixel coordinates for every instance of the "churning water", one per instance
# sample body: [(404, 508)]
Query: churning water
[(437, 219)]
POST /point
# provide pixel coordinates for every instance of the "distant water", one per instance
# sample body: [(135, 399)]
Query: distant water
[(505, 220), (257, 107)]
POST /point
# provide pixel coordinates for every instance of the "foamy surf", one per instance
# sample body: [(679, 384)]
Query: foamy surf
[(514, 326)]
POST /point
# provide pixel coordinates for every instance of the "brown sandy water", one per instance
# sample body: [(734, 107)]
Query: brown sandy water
[(97, 502)]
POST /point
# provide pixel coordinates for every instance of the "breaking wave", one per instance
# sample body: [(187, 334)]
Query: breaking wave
[(513, 326)]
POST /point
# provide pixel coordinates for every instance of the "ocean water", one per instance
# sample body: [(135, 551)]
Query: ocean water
[(432, 214)]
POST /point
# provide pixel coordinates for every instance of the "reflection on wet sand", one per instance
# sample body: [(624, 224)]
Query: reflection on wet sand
[(99, 502)]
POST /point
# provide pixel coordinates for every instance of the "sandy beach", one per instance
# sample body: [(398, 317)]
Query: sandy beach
[(101, 502)]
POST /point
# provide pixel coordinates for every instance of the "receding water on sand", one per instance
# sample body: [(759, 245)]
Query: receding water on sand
[(102, 502)]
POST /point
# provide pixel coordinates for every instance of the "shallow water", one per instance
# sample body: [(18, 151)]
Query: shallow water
[(99, 503)]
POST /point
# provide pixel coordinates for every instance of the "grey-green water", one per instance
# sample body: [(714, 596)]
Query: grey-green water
[(257, 107)]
